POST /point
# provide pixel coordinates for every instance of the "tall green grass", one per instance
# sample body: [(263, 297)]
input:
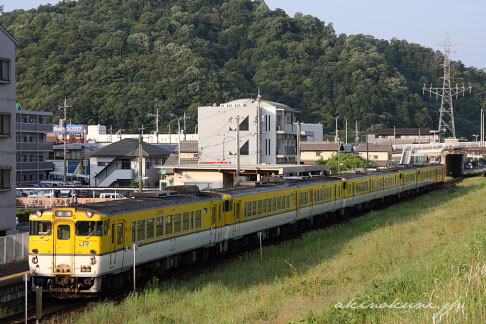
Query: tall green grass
[(429, 250)]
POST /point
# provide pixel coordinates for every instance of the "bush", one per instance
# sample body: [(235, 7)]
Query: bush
[(23, 214)]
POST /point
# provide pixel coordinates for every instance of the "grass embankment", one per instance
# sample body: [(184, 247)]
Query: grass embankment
[(428, 252)]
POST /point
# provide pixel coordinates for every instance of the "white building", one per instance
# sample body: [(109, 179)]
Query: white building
[(99, 134), (7, 133), (278, 132)]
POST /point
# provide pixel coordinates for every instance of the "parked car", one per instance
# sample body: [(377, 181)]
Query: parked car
[(111, 195), (45, 193)]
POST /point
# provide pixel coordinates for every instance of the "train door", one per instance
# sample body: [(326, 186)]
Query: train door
[(117, 244), (219, 223), (237, 217), (213, 228), (295, 198), (63, 249)]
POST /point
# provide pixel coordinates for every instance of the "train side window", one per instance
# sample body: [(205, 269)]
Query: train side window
[(274, 204), (191, 220), (237, 210), (265, 206), (159, 226), (63, 232), (253, 208), (260, 207), (185, 221), (106, 226), (134, 231), (168, 225), (278, 203), (119, 233), (227, 206), (89, 228), (213, 215), (150, 228), (288, 201), (177, 223), (197, 220), (141, 230), (247, 209)]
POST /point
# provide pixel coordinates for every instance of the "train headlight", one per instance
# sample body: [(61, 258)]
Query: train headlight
[(38, 213), (35, 260), (89, 213)]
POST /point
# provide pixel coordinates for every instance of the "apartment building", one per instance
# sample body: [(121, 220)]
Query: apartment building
[(7, 133)]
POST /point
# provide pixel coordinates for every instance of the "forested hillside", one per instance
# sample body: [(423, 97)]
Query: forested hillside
[(117, 60)]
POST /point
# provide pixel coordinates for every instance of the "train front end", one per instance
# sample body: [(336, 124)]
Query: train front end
[(65, 249)]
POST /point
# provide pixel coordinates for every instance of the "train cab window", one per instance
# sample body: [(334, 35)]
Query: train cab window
[(185, 221), (197, 220), (89, 228), (63, 232), (141, 230), (119, 234), (150, 228), (177, 223), (168, 225), (159, 226), (42, 228)]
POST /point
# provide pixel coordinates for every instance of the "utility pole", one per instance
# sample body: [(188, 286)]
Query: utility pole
[(394, 136), (482, 128), (237, 150), (346, 130), (446, 118), (336, 138), (179, 134), (156, 115), (185, 131), (298, 143), (65, 136), (140, 159), (356, 134), (259, 128), (111, 134), (339, 157)]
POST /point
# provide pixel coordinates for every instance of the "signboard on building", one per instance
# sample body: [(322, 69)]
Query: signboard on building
[(70, 129)]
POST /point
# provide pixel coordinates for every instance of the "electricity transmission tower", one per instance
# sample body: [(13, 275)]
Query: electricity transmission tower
[(446, 118)]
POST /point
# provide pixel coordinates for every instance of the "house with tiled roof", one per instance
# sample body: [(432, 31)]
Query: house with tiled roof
[(117, 164)]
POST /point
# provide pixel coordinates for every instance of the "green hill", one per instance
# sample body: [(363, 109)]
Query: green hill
[(117, 60)]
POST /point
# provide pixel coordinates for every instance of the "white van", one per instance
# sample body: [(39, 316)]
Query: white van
[(112, 195)]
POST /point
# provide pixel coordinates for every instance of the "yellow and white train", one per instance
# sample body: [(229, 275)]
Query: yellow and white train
[(87, 249)]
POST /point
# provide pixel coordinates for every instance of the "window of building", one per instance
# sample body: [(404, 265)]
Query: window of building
[(4, 70), (5, 124), (4, 178), (245, 150), (244, 125)]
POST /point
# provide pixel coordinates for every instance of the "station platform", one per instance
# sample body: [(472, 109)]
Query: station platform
[(13, 272)]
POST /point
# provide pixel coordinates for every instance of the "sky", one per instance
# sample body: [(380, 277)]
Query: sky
[(425, 22)]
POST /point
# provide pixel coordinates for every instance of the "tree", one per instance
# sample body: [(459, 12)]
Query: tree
[(349, 161)]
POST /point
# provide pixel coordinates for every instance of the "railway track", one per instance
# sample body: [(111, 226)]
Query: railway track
[(452, 182), (60, 309)]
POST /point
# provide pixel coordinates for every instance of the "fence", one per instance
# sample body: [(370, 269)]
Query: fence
[(14, 247)]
